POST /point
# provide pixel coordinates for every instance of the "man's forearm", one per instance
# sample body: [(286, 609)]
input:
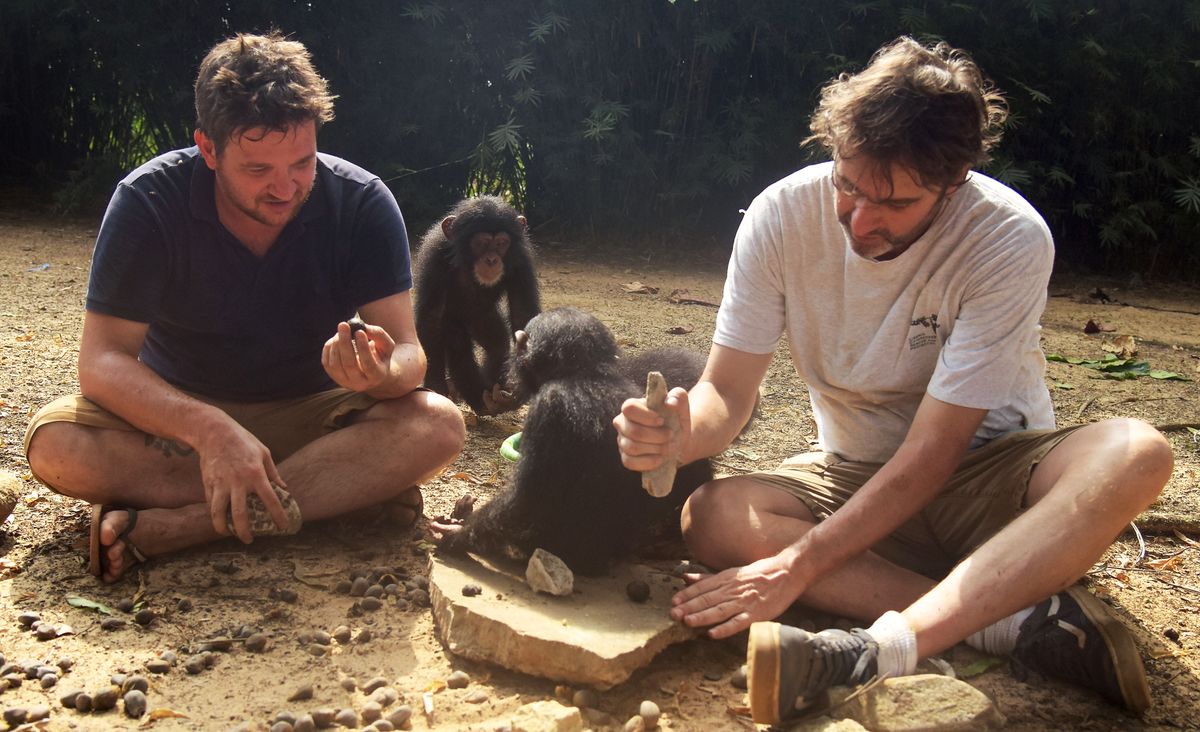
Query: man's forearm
[(129, 389), (714, 425), (407, 372)]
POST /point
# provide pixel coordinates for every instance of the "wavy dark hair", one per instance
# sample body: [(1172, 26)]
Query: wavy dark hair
[(928, 108), (252, 82)]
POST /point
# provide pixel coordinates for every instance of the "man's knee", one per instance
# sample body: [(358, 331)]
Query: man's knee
[(711, 507), (49, 448), (427, 419), (1148, 457)]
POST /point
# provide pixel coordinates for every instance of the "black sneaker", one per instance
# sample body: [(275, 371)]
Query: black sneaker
[(1072, 637), (787, 668)]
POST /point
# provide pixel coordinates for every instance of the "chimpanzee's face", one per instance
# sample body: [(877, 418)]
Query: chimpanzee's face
[(263, 177), (487, 251)]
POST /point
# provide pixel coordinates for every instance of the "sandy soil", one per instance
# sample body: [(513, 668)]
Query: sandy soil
[(212, 594)]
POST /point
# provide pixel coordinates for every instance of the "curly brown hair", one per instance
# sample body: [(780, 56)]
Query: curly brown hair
[(928, 108), (251, 82)]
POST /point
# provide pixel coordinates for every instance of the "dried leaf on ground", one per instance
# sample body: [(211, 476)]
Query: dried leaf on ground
[(637, 288), (1124, 346)]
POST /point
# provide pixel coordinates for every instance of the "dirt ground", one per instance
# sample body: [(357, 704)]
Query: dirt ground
[(210, 594)]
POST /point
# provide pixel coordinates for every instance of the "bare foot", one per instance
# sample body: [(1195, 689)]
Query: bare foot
[(442, 530), (118, 558)]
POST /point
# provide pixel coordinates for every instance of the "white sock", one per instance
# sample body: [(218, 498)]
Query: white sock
[(1000, 638), (897, 645)]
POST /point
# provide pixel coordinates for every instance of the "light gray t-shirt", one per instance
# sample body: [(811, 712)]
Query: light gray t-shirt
[(955, 315)]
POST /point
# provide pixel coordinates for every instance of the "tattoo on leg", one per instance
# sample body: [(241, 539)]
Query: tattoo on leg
[(169, 447)]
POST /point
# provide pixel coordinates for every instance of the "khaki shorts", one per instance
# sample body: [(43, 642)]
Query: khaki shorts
[(284, 426), (982, 496)]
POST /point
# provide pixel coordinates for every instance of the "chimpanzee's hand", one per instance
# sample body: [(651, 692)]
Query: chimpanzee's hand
[(644, 439), (358, 359), (497, 400)]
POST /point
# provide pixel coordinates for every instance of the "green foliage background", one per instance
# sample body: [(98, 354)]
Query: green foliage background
[(643, 120)]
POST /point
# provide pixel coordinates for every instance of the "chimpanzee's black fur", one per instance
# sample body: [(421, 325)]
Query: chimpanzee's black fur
[(570, 494)]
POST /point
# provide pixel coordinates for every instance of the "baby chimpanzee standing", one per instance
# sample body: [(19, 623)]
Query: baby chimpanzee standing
[(570, 494)]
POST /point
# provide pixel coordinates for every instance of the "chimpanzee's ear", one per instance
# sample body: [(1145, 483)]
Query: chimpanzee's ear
[(448, 227), (523, 222)]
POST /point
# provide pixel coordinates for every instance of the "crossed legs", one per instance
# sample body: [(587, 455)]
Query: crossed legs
[(1079, 498), (382, 452)]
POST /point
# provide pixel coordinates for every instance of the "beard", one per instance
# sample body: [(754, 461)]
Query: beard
[(883, 244), (265, 209)]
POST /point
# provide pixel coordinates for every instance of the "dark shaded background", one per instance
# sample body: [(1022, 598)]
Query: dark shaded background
[(643, 121)]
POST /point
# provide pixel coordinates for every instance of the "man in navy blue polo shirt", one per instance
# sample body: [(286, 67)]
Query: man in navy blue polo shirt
[(223, 389)]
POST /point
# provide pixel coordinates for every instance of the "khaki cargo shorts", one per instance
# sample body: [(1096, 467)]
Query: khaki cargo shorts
[(284, 426), (982, 496)]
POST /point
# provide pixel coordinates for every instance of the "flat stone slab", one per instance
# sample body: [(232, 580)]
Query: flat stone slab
[(594, 637), (922, 703)]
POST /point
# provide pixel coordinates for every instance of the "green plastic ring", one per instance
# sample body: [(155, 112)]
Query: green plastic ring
[(510, 448)]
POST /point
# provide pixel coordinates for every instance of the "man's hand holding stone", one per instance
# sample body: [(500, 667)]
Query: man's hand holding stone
[(359, 359), (234, 463), (643, 437)]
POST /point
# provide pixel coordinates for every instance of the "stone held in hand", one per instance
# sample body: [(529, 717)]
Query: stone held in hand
[(547, 573), (659, 481), (261, 523)]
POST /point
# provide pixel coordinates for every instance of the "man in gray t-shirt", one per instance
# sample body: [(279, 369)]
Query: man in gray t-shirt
[(942, 505)]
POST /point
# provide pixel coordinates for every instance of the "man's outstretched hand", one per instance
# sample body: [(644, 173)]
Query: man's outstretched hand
[(731, 600)]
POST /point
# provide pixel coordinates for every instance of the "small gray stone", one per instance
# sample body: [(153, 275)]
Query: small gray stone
[(374, 591), (738, 679), (342, 634), (399, 718), (256, 642), (364, 636), (547, 573), (302, 694), (135, 703), (83, 702), (145, 616), (158, 666), (323, 717), (49, 680), (370, 604), (28, 618), (383, 725), (46, 632), (371, 711), (304, 723), (138, 683), (281, 726), (650, 713), (385, 697), (195, 664), (38, 713), (585, 698), (112, 624), (418, 597), (16, 716), (458, 680), (285, 716), (359, 587), (68, 699), (376, 683), (346, 718), (65, 664), (169, 657), (477, 696), (105, 699), (14, 681), (320, 636), (349, 683)]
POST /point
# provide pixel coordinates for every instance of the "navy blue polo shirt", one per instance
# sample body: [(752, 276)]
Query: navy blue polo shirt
[(223, 322)]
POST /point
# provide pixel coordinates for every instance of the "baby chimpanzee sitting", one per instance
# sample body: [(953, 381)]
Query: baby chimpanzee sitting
[(570, 495)]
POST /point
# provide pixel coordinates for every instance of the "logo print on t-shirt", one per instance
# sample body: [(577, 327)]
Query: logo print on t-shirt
[(922, 339)]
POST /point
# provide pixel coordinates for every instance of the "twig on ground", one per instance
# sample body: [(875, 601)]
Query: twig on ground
[(1084, 408), (1178, 586), (1141, 544)]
